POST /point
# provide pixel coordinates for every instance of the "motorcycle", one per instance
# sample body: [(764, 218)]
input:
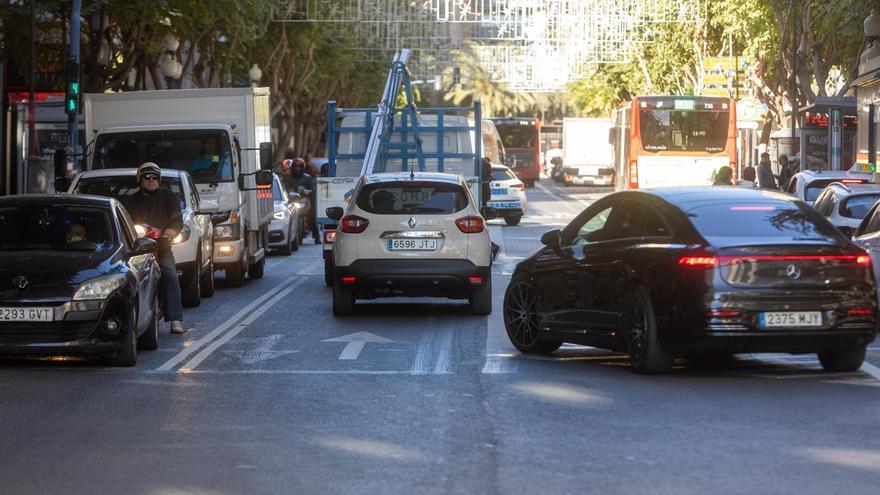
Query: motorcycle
[(556, 172)]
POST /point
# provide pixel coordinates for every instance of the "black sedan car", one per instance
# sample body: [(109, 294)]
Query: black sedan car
[(696, 271), (75, 279)]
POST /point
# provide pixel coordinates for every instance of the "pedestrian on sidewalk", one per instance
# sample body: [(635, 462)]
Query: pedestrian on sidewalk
[(724, 176), (765, 174), (748, 178)]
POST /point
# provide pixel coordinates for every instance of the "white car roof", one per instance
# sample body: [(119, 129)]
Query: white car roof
[(419, 176), (122, 172)]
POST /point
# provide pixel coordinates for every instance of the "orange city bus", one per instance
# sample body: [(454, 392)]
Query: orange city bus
[(667, 141)]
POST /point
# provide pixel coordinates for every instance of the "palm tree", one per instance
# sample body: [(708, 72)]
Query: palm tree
[(476, 84)]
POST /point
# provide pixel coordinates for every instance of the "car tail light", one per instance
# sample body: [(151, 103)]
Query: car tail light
[(475, 280), (863, 260), (634, 174), (698, 261), (329, 236), (860, 312), (521, 187), (348, 280), (854, 181), (470, 224), (353, 224), (722, 314)]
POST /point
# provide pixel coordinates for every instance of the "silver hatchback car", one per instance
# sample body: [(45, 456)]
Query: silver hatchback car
[(845, 205)]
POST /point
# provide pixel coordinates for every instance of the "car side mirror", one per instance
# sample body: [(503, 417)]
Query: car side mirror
[(218, 218), (144, 245), (489, 213), (267, 150), (552, 239), (335, 213), (263, 177), (294, 196)]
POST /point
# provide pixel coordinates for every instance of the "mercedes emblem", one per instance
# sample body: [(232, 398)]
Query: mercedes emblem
[(793, 272), (411, 222), (20, 282)]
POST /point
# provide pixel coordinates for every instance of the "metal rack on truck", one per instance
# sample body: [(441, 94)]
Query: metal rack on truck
[(394, 137)]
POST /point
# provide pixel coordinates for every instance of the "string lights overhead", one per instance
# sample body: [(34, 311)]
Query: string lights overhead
[(532, 45)]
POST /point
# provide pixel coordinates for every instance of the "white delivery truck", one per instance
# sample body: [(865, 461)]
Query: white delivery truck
[(587, 155), (220, 136)]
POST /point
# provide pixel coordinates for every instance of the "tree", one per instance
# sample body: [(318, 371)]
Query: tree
[(477, 84)]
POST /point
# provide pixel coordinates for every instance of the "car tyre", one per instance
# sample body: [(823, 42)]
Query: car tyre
[(522, 319), (513, 220), (481, 299), (127, 355), (286, 250), (191, 295), (646, 355), (328, 272), (149, 340), (294, 242), (235, 275), (343, 300), (256, 270), (208, 280), (848, 360)]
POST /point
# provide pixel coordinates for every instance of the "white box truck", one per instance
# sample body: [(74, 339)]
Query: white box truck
[(220, 136), (587, 155)]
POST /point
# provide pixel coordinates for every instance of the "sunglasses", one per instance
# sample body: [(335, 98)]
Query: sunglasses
[(151, 177)]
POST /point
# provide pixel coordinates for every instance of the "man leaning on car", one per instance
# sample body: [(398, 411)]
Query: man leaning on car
[(160, 209)]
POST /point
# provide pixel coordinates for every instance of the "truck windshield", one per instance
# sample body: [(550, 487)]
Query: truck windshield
[(122, 187), (205, 154)]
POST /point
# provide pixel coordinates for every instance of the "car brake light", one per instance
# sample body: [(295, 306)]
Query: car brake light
[(698, 261), (854, 181), (329, 236), (722, 314), (475, 280), (353, 224), (470, 224), (521, 187), (863, 260), (348, 280), (634, 174), (859, 312)]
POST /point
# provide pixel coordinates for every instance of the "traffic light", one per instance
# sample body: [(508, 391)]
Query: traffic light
[(71, 101)]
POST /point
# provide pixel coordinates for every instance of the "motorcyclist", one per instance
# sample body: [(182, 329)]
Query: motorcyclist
[(295, 179), (159, 208)]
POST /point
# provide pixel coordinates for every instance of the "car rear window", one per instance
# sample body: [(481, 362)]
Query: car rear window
[(503, 175), (406, 198), (760, 223), (857, 206), (814, 188)]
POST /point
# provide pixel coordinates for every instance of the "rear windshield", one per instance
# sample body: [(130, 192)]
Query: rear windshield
[(503, 174), (857, 206), (814, 188), (760, 223), (55, 227), (122, 187), (405, 198)]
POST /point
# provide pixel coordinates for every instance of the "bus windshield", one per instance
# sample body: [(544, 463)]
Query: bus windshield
[(520, 140), (205, 154), (683, 129)]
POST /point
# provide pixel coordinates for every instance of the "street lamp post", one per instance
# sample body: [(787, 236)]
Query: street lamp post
[(171, 68), (255, 74)]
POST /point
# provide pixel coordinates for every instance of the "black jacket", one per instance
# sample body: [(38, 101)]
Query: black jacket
[(159, 209)]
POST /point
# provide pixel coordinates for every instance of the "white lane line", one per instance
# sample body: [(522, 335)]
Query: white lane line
[(499, 351), (177, 359), (197, 360), (871, 370)]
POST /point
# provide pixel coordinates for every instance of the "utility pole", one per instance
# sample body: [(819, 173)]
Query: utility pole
[(32, 106), (792, 85), (72, 98)]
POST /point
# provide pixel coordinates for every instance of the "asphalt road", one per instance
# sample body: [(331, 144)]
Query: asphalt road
[(271, 394)]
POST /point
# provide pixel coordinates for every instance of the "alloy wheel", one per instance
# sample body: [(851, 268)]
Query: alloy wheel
[(521, 315)]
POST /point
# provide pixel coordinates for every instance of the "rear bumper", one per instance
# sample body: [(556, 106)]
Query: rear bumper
[(775, 341), (414, 278)]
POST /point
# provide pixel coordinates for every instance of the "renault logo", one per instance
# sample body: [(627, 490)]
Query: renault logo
[(20, 282), (411, 222), (793, 272)]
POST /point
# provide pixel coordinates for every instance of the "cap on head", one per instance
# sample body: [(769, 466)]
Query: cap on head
[(148, 168)]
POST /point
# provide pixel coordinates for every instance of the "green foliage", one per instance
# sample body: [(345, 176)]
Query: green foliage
[(497, 100)]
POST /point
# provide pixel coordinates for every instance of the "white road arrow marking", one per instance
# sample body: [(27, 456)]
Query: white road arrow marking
[(355, 343)]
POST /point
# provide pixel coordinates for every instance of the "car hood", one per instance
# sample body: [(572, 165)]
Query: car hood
[(51, 274)]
